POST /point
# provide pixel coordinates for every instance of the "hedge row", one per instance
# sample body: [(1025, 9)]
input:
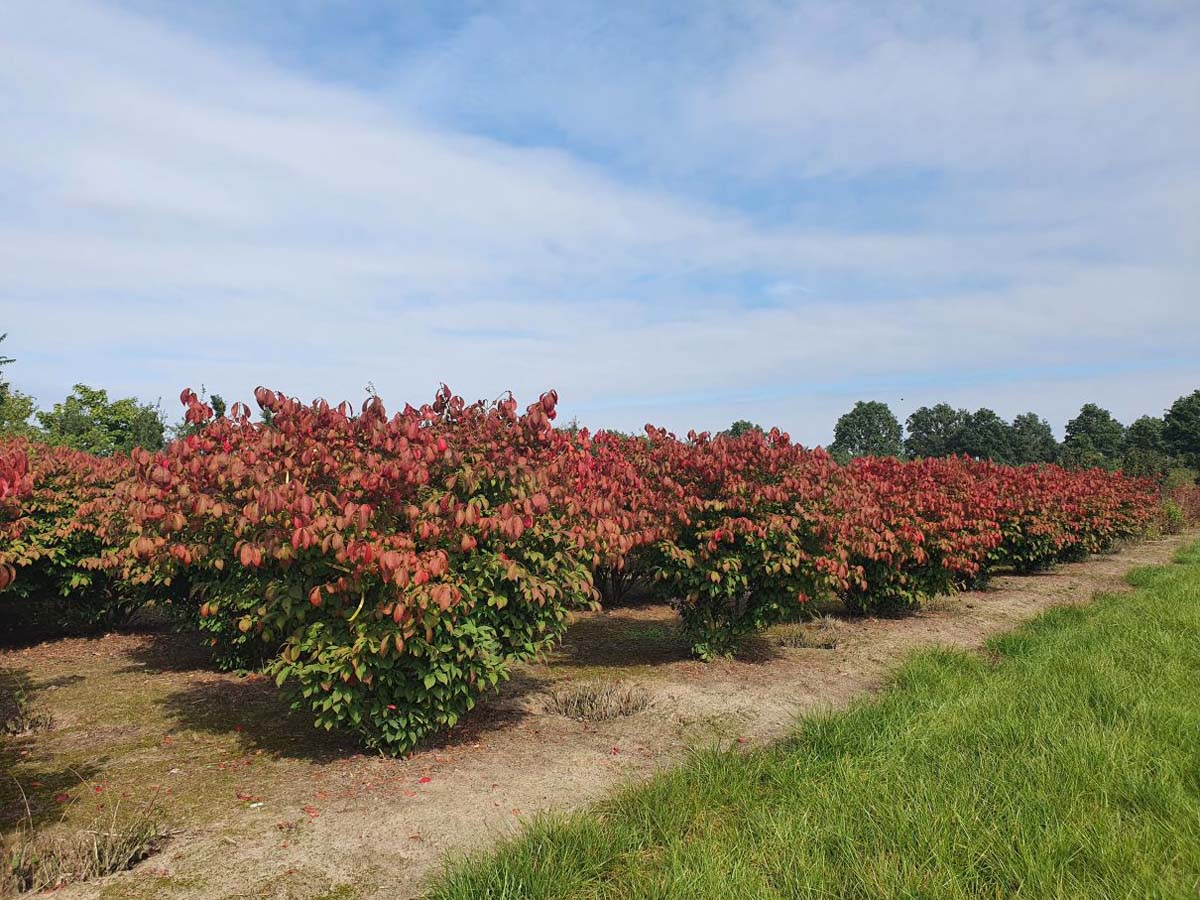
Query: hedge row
[(757, 525), (388, 569)]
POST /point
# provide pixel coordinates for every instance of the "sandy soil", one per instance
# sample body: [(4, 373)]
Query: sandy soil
[(264, 807)]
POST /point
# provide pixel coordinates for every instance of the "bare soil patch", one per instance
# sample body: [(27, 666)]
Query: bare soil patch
[(262, 805)]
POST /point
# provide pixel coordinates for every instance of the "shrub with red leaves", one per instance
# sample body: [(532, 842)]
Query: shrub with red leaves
[(48, 540), (392, 567), (1049, 514), (387, 569), (740, 543), (912, 530), (15, 484)]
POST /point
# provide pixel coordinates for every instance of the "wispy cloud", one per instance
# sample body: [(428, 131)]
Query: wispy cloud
[(682, 218)]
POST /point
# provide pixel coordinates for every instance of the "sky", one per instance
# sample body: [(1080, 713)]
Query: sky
[(679, 213)]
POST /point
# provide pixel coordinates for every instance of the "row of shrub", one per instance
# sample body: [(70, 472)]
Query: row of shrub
[(757, 525), (388, 569)]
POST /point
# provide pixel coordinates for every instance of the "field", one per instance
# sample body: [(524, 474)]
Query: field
[(263, 806)]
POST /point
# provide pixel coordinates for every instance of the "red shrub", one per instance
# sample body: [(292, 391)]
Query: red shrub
[(15, 484), (394, 566), (912, 530), (741, 522), (388, 569), (48, 540)]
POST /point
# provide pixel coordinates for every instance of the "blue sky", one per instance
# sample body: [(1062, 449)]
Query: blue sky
[(683, 213)]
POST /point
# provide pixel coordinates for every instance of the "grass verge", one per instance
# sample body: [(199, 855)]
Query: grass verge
[(1065, 762)]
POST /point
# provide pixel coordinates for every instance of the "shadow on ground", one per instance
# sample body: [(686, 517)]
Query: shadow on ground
[(255, 713), (33, 791)]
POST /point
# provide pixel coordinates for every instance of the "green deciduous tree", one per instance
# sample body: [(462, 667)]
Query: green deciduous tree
[(870, 429), (1181, 429), (16, 409), (985, 435), (1081, 453), (1094, 437), (1145, 450), (935, 431), (1146, 434), (88, 420), (740, 427), (1032, 440)]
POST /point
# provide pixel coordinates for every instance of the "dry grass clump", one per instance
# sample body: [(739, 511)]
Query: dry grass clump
[(18, 715), (822, 633), (597, 700), (24, 719), (40, 862)]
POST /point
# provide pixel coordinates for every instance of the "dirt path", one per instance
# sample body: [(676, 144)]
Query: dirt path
[(266, 808)]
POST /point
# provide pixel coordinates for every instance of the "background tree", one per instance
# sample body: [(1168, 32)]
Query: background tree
[(16, 409), (935, 431), (870, 429), (1181, 430), (1146, 434), (87, 420), (1145, 451), (740, 427), (1094, 437), (985, 435), (4, 361), (1081, 453), (1032, 440)]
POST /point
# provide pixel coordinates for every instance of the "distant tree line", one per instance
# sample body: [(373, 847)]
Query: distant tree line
[(87, 419), (1150, 446)]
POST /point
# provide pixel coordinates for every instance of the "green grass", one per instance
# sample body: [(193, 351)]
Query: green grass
[(1065, 762)]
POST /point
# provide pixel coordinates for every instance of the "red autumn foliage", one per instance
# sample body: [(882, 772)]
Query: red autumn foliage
[(756, 526), (49, 540), (15, 480), (388, 568), (15, 484), (384, 562)]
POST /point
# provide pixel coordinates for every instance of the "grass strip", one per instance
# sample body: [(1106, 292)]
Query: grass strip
[(1064, 762)]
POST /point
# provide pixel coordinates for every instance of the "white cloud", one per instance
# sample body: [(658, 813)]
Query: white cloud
[(179, 212)]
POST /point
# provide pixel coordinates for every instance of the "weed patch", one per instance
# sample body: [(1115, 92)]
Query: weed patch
[(597, 700)]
